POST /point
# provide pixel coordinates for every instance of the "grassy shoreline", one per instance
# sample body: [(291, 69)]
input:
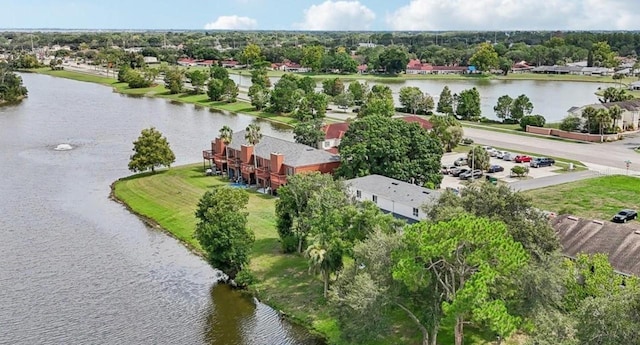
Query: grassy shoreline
[(480, 77), (159, 91), (167, 200)]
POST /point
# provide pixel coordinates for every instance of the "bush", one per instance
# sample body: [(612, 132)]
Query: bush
[(245, 278), (570, 123), (136, 80), (532, 120), (520, 170)]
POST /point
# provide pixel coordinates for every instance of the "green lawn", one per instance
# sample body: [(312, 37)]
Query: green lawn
[(170, 197), (162, 92), (597, 198)]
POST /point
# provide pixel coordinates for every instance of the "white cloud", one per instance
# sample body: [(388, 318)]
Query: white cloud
[(232, 23), (516, 15), (337, 15)]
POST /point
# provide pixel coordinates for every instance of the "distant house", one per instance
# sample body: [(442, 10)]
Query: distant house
[(521, 67), (334, 132), (186, 62), (205, 63), (362, 69), (150, 60), (229, 64), (576, 70), (621, 242), (403, 200), (289, 66), (635, 86), (275, 158), (415, 66), (630, 112)]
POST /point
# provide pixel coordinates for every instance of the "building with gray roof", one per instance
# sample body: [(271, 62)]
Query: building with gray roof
[(621, 242), (403, 200)]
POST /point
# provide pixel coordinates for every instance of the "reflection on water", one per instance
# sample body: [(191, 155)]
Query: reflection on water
[(77, 268)]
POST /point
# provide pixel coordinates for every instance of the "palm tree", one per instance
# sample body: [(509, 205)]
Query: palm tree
[(319, 263), (601, 116), (615, 113), (226, 135), (589, 114), (253, 136)]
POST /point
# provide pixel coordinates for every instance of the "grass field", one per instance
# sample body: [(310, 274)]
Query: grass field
[(169, 197), (597, 198), (161, 92)]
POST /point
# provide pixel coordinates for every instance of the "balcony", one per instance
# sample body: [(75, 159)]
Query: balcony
[(247, 168), (207, 154), (219, 159), (234, 162), (277, 179), (263, 173)]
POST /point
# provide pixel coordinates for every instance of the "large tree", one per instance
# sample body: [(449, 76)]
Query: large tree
[(478, 158), (381, 145), (485, 58), (332, 87), (503, 107), (174, 80), (197, 78), (358, 91), (151, 151), (447, 130), (521, 107), (468, 105), (259, 96), (379, 101), (312, 56), (11, 88), (460, 256), (309, 132), (251, 54), (445, 102), (393, 59), (222, 229), (284, 97), (412, 99)]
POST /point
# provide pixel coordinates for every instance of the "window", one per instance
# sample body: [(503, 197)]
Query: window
[(326, 144), (289, 171), (358, 194), (415, 212), (375, 199)]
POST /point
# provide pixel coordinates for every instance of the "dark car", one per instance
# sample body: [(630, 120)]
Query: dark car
[(624, 215), (495, 168), (457, 172), (542, 162), (471, 174)]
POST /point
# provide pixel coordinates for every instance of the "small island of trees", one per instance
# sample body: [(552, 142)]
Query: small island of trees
[(11, 88)]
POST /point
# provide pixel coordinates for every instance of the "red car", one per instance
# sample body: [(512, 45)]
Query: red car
[(522, 159)]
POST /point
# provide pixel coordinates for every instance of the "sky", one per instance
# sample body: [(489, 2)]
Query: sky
[(362, 15)]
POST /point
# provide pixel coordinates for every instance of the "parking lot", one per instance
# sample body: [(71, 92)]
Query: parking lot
[(455, 182)]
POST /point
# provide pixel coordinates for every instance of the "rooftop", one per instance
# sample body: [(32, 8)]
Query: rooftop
[(630, 105), (295, 154), (395, 190), (621, 242), (335, 130)]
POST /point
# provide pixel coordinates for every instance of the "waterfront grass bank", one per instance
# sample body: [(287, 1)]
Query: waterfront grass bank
[(159, 91), (169, 198)]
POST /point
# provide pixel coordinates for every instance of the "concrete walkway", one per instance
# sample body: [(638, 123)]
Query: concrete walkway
[(552, 180)]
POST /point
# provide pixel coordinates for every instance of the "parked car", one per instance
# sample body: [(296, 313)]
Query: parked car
[(522, 159), (487, 148), (500, 154), (542, 162), (460, 162), (624, 216), (471, 174), (446, 169), (457, 172), (493, 153), (495, 168), (507, 156)]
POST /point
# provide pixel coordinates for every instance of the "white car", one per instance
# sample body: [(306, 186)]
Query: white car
[(508, 156), (493, 153), (500, 154), (487, 148)]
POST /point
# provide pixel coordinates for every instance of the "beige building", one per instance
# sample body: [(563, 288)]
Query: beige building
[(630, 112)]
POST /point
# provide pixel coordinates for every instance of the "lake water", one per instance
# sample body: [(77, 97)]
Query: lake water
[(551, 99), (78, 268)]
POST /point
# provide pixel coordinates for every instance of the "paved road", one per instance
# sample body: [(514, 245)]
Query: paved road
[(552, 180), (610, 155)]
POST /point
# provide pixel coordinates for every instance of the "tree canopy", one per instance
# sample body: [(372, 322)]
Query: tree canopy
[(151, 150), (381, 145)]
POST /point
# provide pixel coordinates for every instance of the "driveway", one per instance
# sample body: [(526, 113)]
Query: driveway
[(610, 155)]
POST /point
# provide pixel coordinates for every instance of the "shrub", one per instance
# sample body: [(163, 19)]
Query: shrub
[(467, 141), (520, 170), (532, 120), (245, 278), (570, 123)]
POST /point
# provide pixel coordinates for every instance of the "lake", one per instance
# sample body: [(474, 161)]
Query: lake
[(78, 268)]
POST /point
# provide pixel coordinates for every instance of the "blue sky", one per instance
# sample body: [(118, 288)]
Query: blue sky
[(323, 14)]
